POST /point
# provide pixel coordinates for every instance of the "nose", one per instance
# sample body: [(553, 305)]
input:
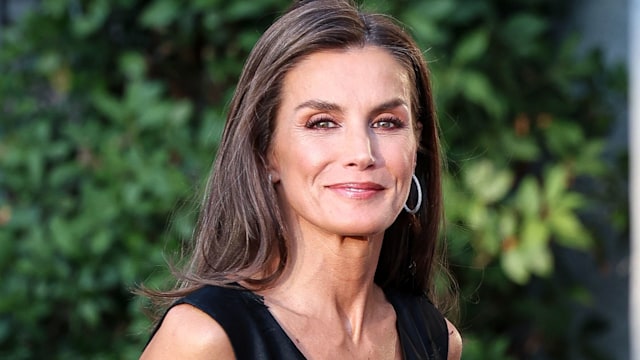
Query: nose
[(358, 148)]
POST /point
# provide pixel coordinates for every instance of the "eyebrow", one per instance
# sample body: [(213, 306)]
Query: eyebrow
[(331, 107), (319, 105)]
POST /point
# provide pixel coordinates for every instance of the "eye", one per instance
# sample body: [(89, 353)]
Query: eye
[(388, 123), (321, 123)]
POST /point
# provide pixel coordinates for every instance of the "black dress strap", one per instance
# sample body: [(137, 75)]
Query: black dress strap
[(252, 330), (421, 327)]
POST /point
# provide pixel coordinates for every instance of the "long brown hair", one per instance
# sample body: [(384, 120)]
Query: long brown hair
[(240, 231)]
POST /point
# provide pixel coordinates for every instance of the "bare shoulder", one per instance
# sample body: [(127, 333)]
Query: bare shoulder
[(188, 333), (455, 342)]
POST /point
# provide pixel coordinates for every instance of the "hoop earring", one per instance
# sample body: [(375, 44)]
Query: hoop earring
[(417, 207)]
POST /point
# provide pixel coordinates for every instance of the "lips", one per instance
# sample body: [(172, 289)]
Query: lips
[(358, 190)]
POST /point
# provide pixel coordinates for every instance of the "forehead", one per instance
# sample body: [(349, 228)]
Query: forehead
[(360, 74)]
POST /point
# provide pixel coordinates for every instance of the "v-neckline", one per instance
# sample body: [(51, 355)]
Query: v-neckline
[(274, 324)]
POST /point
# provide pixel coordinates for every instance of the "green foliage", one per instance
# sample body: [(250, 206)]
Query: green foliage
[(111, 113)]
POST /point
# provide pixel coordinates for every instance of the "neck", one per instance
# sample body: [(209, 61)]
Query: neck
[(332, 276)]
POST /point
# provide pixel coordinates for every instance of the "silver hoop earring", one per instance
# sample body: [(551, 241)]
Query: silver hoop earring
[(417, 207)]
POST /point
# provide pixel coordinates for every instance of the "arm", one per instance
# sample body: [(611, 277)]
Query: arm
[(455, 342), (188, 333)]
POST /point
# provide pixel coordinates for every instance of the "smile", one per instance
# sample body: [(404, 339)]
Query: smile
[(360, 191)]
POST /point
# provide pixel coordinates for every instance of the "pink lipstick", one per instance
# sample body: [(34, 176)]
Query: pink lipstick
[(357, 190)]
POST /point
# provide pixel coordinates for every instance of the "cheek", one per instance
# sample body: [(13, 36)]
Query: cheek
[(410, 156), (295, 158)]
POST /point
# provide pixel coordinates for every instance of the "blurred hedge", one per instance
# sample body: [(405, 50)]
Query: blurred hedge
[(110, 116)]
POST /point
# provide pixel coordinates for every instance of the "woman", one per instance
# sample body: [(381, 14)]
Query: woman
[(318, 235)]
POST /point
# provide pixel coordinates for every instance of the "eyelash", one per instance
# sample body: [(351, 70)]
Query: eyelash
[(312, 123), (395, 122)]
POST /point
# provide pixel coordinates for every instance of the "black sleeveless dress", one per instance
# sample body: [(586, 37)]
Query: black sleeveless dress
[(256, 335)]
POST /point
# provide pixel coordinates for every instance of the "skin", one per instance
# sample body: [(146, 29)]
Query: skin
[(341, 161)]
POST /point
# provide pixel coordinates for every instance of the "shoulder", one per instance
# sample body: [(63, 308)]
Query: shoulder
[(455, 342), (188, 333)]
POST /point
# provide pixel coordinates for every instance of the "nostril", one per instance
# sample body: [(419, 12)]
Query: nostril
[(362, 162)]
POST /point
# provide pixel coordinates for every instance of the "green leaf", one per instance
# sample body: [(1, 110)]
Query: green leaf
[(109, 106), (180, 113), (89, 311), (590, 158), (101, 242), (534, 234), (498, 188), (535, 247), (490, 241), (476, 214), (527, 198), (55, 8), (160, 13), (213, 21), (245, 9), (133, 65), (530, 255), (85, 25), (526, 25), (35, 164), (437, 9), (205, 4), (472, 47), (564, 137), (426, 30), (541, 261), (142, 99), (522, 32), (568, 201), (507, 223), (517, 148), (555, 183), (62, 236), (569, 231), (64, 174), (486, 182), (514, 266), (49, 62), (477, 88), (155, 116)]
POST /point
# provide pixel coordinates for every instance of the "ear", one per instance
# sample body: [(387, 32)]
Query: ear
[(273, 168), (274, 176)]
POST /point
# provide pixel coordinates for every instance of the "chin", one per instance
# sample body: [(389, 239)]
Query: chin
[(359, 231)]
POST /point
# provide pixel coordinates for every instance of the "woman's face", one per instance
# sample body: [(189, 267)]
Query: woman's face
[(344, 146)]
